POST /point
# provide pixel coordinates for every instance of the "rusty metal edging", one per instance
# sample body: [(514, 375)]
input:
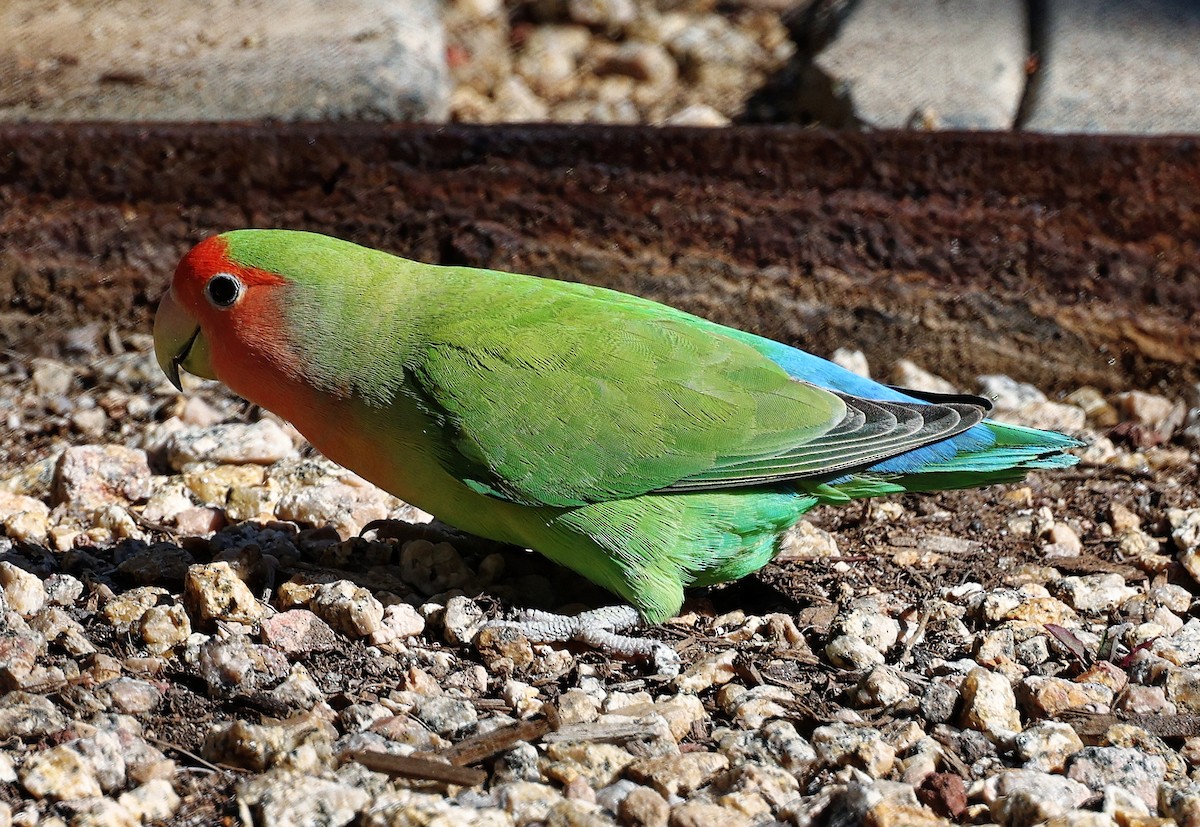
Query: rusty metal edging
[(1060, 259)]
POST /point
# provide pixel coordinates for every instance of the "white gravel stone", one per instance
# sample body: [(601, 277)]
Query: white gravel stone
[(102, 812), (62, 589), (1130, 769), (236, 666), (60, 773), (360, 717), (549, 58), (25, 715), (52, 378), (1024, 798), (400, 621), (646, 63), (852, 652), (602, 13), (1149, 409), (92, 476), (298, 690), (517, 103), (989, 705), (348, 608), (804, 541), (130, 696), (106, 754), (1185, 531), (907, 374), (882, 686), (24, 518), (23, 591), (1033, 651), (876, 629), (260, 443), (156, 800), (1175, 598), (461, 620), (1047, 416), (839, 745), (750, 708), (347, 508), (1122, 805), (1008, 394), (712, 40), (521, 697), (714, 669), (1096, 593), (303, 743), (214, 592), (1046, 745), (852, 360), (166, 503), (284, 796), (1181, 648), (697, 114), (449, 717)]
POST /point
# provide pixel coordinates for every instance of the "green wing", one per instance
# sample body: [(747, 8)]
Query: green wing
[(554, 394)]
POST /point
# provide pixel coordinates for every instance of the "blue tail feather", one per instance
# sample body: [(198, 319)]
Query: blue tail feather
[(988, 448)]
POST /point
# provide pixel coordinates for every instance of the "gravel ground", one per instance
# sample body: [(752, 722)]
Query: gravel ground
[(693, 62), (204, 620)]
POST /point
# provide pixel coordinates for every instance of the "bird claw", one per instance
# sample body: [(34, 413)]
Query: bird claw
[(598, 628)]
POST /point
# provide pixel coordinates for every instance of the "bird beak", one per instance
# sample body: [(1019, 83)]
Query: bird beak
[(178, 342)]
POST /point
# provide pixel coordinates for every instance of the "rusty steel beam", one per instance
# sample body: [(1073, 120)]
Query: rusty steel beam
[(1061, 260)]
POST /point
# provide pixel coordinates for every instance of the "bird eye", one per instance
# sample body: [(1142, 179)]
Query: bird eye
[(223, 290)]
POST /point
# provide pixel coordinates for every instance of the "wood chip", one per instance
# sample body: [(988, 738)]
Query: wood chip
[(607, 731), (1164, 726), (413, 766), (1088, 564), (481, 747)]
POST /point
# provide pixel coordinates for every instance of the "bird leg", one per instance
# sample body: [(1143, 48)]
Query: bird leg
[(598, 628)]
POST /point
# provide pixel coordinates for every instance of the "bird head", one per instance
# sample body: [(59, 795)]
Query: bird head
[(216, 303)]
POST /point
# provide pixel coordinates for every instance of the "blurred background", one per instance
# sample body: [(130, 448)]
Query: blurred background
[(1128, 66)]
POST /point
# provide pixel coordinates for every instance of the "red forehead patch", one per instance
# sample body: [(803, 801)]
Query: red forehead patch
[(211, 256)]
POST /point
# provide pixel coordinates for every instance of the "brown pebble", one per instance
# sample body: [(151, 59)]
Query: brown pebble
[(643, 807), (196, 521), (579, 790), (944, 793)]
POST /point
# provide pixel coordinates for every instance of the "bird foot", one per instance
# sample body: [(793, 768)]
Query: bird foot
[(598, 628)]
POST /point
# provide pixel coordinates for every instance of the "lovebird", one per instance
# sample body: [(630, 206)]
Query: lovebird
[(648, 449)]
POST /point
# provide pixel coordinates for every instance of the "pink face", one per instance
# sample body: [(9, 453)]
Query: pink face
[(219, 319)]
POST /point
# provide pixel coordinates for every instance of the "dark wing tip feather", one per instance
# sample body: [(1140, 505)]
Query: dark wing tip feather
[(946, 398), (871, 431)]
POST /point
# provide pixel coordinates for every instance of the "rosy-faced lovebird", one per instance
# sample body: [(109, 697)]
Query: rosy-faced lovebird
[(647, 449)]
